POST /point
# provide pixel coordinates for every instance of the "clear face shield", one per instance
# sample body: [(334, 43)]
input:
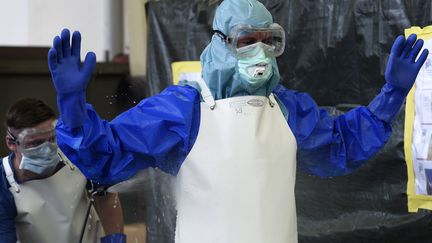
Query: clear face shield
[(243, 37)]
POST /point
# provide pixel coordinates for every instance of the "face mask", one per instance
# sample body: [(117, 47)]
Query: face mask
[(41, 159), (253, 64)]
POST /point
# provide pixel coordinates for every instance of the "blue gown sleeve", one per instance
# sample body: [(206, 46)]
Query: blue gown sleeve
[(8, 211), (158, 132), (114, 238), (331, 146)]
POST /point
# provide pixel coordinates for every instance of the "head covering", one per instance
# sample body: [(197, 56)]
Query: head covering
[(219, 64)]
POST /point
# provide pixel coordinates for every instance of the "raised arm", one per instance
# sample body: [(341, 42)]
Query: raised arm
[(329, 146), (70, 77), (158, 132)]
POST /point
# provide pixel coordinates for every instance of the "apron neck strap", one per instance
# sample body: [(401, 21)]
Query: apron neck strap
[(65, 161), (9, 175), (206, 94)]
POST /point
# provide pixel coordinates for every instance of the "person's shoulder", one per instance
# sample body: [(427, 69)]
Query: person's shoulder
[(3, 180), (7, 203), (280, 89), (180, 89), (176, 94), (284, 93), (292, 97), (173, 97)]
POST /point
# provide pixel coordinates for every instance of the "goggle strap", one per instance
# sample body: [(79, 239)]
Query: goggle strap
[(12, 137), (222, 36)]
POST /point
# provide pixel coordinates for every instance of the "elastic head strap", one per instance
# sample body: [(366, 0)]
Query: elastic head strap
[(224, 37), (12, 137)]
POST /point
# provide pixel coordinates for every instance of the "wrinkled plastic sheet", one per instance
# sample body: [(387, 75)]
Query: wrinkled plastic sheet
[(336, 51)]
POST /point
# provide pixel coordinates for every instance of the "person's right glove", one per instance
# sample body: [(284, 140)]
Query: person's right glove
[(65, 64), (402, 67), (70, 77)]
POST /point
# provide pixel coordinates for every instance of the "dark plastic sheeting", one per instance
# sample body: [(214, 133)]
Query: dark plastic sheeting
[(336, 51)]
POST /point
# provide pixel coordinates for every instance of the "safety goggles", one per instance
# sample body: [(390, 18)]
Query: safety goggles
[(242, 36), (33, 137)]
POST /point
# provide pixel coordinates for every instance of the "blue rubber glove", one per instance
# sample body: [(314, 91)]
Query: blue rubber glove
[(114, 238), (64, 62), (402, 67), (70, 77)]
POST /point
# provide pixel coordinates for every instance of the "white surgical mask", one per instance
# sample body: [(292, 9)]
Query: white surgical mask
[(256, 68), (41, 159)]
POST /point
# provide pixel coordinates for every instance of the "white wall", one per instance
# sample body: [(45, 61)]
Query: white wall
[(13, 22), (35, 23)]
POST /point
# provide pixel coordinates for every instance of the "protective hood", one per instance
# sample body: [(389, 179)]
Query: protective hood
[(219, 64)]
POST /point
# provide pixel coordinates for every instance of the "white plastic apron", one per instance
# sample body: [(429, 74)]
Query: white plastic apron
[(237, 183), (54, 209)]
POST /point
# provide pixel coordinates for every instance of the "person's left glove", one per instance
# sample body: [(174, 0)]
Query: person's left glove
[(64, 62), (402, 67), (114, 238)]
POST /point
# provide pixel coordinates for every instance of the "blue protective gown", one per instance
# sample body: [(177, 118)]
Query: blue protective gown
[(161, 130), (8, 210)]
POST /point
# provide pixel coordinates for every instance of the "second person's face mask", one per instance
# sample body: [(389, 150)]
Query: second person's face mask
[(41, 159), (253, 64)]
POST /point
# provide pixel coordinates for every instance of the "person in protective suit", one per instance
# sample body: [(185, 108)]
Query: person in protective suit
[(232, 137), (43, 197)]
